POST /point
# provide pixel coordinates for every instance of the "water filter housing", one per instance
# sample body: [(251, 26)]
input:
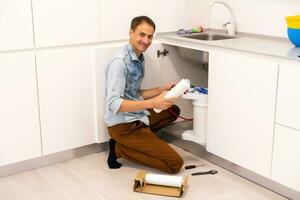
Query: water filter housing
[(198, 134)]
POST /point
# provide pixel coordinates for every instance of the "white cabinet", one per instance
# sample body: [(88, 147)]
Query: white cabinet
[(61, 22), (15, 24), (19, 128), (286, 162), (286, 159), (288, 107), (241, 109), (102, 56), (67, 98), (116, 16), (152, 77), (171, 15)]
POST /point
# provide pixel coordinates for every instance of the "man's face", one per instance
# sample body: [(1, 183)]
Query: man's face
[(141, 37)]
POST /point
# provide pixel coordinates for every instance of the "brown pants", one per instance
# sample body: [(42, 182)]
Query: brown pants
[(135, 141)]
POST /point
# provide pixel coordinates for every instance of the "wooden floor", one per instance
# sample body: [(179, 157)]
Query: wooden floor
[(89, 178)]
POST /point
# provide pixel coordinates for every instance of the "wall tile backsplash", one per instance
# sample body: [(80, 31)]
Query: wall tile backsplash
[(262, 17)]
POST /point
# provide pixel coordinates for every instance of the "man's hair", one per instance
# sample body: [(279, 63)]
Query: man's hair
[(140, 19)]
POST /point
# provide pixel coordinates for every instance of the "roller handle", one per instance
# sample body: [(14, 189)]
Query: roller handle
[(203, 173), (190, 166)]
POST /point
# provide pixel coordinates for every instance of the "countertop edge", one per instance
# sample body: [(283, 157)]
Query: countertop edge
[(272, 47)]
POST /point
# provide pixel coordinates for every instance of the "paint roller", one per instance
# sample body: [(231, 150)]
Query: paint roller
[(165, 180), (167, 185)]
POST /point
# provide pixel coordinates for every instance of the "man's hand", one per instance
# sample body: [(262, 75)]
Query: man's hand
[(151, 93), (167, 87), (161, 103)]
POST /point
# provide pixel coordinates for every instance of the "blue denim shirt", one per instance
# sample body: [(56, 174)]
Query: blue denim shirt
[(123, 77)]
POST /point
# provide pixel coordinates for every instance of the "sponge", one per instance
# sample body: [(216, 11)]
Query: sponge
[(198, 29)]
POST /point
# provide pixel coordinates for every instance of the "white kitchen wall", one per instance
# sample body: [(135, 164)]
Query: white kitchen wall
[(262, 17)]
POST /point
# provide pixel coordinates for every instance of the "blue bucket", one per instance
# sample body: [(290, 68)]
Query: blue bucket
[(294, 36)]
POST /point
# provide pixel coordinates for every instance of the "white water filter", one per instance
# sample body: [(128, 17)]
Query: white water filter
[(178, 90), (198, 134)]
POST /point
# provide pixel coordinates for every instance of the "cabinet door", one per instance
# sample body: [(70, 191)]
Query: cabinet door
[(286, 159), (170, 15), (19, 128), (116, 26), (241, 109), (15, 24), (102, 56), (67, 99), (61, 22), (288, 107), (153, 71)]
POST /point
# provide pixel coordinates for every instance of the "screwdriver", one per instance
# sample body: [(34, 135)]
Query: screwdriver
[(192, 166), (203, 173)]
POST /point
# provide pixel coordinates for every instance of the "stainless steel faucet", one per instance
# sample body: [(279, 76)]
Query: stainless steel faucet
[(230, 26)]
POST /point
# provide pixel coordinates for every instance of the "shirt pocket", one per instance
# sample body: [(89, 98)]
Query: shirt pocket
[(134, 75), (134, 79)]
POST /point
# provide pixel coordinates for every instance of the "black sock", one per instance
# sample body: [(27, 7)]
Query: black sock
[(112, 158)]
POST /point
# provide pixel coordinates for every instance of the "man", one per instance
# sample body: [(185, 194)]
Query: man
[(129, 110)]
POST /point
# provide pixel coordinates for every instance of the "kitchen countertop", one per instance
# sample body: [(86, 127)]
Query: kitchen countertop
[(244, 42)]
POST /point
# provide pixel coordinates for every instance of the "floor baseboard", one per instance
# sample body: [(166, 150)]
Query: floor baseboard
[(42, 161)]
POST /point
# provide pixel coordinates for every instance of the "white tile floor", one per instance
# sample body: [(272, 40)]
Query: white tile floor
[(89, 178)]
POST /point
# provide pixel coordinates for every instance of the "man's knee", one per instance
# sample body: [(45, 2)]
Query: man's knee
[(175, 109), (176, 165), (174, 112)]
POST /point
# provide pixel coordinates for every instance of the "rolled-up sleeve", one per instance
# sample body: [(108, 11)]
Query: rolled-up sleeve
[(116, 81)]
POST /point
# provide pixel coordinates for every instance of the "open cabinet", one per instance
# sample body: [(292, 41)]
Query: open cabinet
[(177, 63), (185, 63)]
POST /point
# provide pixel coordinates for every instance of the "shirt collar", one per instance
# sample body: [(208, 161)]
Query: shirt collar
[(133, 55)]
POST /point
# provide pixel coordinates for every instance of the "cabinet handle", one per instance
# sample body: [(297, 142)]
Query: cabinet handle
[(162, 53)]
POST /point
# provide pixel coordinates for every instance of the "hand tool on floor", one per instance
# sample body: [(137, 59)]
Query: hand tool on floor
[(193, 166), (206, 172)]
